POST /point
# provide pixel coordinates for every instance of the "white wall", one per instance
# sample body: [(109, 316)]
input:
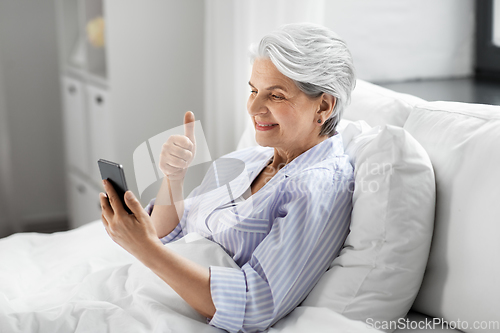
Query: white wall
[(394, 40), (6, 222), (32, 107), (155, 70)]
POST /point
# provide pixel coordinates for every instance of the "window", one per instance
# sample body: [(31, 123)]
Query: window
[(488, 38)]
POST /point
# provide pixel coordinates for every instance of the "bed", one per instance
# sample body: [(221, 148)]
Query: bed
[(81, 281)]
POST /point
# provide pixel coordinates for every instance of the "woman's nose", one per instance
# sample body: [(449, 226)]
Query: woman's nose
[(256, 105)]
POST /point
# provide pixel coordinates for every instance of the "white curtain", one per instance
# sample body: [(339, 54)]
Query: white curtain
[(231, 27), (391, 40)]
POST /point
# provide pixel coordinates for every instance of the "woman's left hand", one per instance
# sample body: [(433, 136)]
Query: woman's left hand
[(134, 232)]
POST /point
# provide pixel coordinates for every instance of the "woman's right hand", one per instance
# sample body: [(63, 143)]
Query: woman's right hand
[(178, 152)]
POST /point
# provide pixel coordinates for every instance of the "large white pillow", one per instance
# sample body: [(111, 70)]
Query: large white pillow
[(378, 273), (463, 273), (379, 106)]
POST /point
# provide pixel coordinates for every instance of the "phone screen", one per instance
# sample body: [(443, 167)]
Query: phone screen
[(113, 172)]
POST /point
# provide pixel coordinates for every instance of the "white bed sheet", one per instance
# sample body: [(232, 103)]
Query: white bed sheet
[(81, 281)]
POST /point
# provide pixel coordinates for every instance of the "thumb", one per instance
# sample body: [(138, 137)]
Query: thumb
[(134, 204), (189, 126)]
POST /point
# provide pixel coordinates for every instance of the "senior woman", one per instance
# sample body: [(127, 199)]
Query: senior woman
[(286, 227)]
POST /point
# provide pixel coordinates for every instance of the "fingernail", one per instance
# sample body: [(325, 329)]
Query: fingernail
[(129, 195), (104, 182)]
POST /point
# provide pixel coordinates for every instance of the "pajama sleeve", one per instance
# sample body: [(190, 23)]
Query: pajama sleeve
[(178, 231)]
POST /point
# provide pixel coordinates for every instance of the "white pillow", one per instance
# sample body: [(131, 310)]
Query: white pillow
[(461, 281), (379, 270), (379, 106)]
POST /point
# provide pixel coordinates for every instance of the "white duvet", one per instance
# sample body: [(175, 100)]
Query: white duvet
[(81, 281)]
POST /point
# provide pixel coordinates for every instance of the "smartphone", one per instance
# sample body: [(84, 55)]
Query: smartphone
[(113, 172)]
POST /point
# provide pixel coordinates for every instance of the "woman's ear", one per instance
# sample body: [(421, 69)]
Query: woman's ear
[(326, 107)]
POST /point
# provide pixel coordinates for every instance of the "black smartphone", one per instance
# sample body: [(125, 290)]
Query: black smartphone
[(113, 172)]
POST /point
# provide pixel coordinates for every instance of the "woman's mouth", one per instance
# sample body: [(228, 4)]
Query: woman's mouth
[(264, 126)]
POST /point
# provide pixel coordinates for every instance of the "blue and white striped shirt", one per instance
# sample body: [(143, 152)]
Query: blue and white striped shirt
[(283, 237)]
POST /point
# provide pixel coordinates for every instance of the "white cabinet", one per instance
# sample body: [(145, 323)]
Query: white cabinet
[(75, 124), (83, 201), (85, 104), (100, 128), (87, 138)]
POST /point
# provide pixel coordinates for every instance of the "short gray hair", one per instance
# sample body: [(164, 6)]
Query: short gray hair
[(316, 59)]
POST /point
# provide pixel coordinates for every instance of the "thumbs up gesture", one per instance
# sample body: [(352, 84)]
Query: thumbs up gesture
[(178, 152)]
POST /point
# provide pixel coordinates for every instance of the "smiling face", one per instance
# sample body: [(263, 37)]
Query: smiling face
[(284, 117)]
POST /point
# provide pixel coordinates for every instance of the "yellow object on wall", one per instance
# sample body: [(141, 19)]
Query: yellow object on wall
[(95, 32)]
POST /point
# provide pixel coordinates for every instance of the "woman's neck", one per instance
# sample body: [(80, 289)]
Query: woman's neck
[(284, 156)]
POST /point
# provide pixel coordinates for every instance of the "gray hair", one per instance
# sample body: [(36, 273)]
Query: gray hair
[(316, 59)]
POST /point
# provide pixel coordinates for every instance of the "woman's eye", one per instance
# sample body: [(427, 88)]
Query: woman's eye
[(277, 97), (253, 91)]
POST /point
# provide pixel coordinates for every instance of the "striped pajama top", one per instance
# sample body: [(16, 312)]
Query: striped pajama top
[(283, 237)]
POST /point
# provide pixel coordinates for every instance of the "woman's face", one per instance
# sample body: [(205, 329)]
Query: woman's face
[(284, 117)]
